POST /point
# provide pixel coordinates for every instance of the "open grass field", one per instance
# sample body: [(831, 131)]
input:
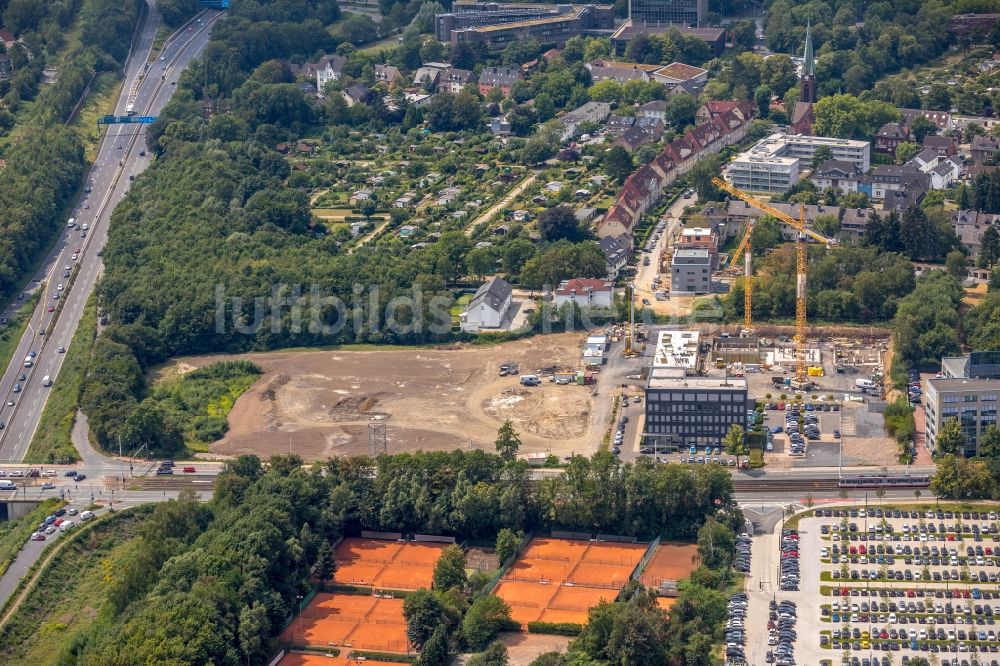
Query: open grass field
[(560, 580)]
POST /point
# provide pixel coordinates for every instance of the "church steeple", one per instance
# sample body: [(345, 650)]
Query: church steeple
[(808, 59), (807, 85)]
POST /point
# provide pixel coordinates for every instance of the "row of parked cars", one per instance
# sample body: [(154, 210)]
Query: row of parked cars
[(742, 562), (781, 633), (790, 574), (736, 638), (56, 521)]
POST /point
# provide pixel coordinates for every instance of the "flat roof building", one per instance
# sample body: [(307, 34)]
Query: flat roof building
[(664, 12), (497, 24), (686, 411), (966, 391), (775, 163), (677, 349)]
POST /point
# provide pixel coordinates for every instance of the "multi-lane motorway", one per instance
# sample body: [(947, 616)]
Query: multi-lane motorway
[(67, 278)]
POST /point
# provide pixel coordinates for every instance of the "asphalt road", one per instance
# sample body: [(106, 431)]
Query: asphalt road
[(77, 256)]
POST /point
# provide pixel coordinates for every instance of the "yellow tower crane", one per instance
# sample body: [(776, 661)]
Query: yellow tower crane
[(801, 373)]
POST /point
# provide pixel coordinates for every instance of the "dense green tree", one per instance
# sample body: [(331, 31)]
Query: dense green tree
[(715, 544), (559, 222), (950, 439), (435, 650), (449, 571), (618, 163), (507, 442), (424, 615), (681, 109), (906, 151), (506, 544), (734, 441), (957, 264), (485, 618), (820, 155), (989, 246)]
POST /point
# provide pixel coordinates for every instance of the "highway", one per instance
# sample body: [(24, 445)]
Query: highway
[(68, 276)]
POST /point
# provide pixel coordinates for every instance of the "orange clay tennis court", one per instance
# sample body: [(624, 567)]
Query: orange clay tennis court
[(560, 580), (385, 564), (351, 621), (306, 659), (671, 561)]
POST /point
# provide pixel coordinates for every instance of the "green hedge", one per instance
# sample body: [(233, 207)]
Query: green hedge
[(385, 656), (557, 628)]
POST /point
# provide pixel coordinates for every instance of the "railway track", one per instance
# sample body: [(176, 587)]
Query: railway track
[(171, 483), (779, 485)]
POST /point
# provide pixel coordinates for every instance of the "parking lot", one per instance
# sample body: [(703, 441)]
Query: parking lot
[(882, 586)]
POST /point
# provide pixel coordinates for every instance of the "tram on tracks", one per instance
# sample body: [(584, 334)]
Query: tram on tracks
[(885, 481)]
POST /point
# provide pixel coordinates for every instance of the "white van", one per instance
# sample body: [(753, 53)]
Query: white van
[(7, 485), (86, 515), (71, 223), (46, 380), (864, 383), (66, 525)]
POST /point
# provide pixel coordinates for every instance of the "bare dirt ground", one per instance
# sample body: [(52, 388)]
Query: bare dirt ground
[(319, 404)]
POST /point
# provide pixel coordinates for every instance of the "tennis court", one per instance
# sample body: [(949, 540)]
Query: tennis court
[(560, 580), (670, 562), (351, 621), (384, 564), (312, 659)]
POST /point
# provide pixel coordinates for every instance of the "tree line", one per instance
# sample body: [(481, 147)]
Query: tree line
[(46, 162), (217, 583)]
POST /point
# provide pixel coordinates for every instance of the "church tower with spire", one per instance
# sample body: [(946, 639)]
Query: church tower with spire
[(807, 82), (802, 115)]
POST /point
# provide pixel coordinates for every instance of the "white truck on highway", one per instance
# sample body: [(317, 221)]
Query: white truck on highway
[(46, 380), (28, 362)]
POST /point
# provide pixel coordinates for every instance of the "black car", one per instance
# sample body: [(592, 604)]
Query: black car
[(72, 472), (59, 512), (80, 477), (164, 470)]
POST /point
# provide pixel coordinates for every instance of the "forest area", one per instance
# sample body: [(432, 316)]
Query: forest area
[(269, 528)]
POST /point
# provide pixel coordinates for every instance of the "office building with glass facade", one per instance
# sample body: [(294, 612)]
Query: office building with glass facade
[(689, 13), (967, 390)]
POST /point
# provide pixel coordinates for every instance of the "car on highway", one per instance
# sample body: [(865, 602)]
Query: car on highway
[(37, 536), (75, 257), (164, 470), (189, 470), (71, 472), (60, 287), (55, 296), (66, 274), (86, 206), (17, 474), (2, 426), (72, 512), (10, 403), (80, 477), (17, 388), (61, 349), (48, 485), (52, 308)]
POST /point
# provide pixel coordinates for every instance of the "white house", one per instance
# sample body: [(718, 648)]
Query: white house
[(328, 68), (585, 293), (488, 307)]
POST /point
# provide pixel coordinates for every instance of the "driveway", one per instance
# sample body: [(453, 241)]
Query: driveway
[(506, 201)]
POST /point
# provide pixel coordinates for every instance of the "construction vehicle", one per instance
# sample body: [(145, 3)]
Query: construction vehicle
[(801, 381)]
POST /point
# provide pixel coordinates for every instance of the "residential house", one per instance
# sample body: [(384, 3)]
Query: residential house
[(700, 238), (585, 215), (985, 149), (498, 77), (585, 293), (945, 174), (7, 37), (969, 226), (428, 75), (889, 137), (500, 126), (328, 68), (634, 138), (941, 119), (358, 94), (840, 175), (388, 74), (617, 124), (911, 195), (677, 73), (655, 110), (944, 146), (853, 222), (691, 271), (592, 112), (891, 178), (653, 127), (616, 253), (715, 108), (489, 307), (925, 160), (454, 80), (620, 72)]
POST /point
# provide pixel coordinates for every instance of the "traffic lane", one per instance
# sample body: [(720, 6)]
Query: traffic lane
[(89, 268)]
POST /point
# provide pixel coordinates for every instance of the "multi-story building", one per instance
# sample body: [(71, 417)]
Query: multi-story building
[(699, 237), (689, 13), (775, 163), (966, 391), (683, 411), (691, 271), (715, 38), (497, 24), (838, 175)]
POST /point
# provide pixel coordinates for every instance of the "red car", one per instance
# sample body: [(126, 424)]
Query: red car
[(189, 470), (51, 309)]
